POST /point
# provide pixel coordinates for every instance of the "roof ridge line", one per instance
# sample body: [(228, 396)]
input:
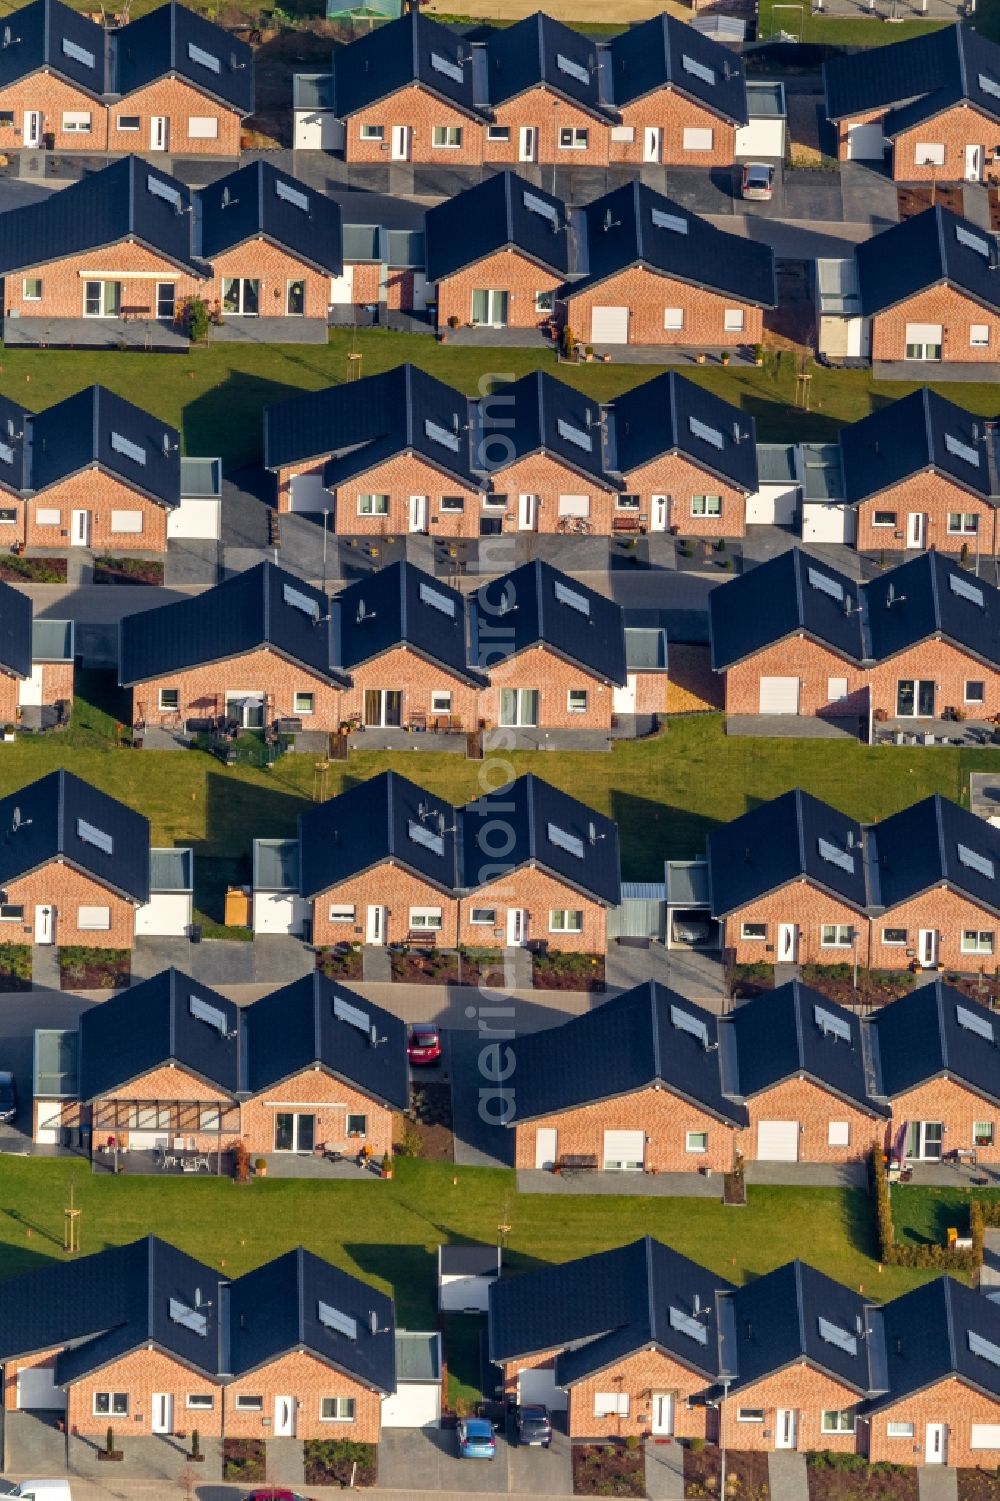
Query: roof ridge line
[(638, 219), (403, 612), (932, 556), (650, 1305), (267, 601), (942, 1033), (957, 32), (797, 1014), (653, 1009), (799, 1308)]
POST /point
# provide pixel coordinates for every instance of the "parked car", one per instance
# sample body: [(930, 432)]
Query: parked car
[(533, 1425), (690, 930), (423, 1045), (758, 181), (8, 1097), (476, 1439)]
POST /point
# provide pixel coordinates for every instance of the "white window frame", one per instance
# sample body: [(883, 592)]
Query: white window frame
[(446, 132), (572, 708), (128, 129), (977, 941), (963, 529), (979, 698), (928, 154), (627, 503), (673, 319), (545, 302), (163, 706), (77, 122), (979, 336), (838, 1133), (203, 127), (892, 521), (836, 942), (371, 509), (111, 1412), (209, 1117), (498, 133), (573, 138), (456, 505), (706, 505), (93, 918), (426, 919), (698, 138), (558, 920), (696, 1141), (371, 132), (487, 917), (899, 1429), (11, 912), (611, 1404), (839, 1425), (984, 1128), (750, 1415), (337, 1416), (200, 1401), (27, 296), (748, 937), (249, 1403), (734, 320), (341, 912), (895, 943), (440, 700), (298, 706)]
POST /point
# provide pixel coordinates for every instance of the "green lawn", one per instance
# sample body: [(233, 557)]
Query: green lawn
[(836, 31), (923, 1216)]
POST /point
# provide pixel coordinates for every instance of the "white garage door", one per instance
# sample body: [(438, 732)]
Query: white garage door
[(609, 325), (763, 136), (624, 1149), (778, 1141), (779, 696), (36, 1389), (772, 505), (865, 143), (985, 1436), (414, 1404), (540, 1386), (308, 493)]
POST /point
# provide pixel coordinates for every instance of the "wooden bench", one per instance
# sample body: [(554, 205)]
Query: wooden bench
[(420, 938), (577, 1162), (627, 524)]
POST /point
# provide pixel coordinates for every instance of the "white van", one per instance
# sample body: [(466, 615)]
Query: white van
[(42, 1490)]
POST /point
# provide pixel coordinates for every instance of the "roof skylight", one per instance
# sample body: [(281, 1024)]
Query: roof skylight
[(961, 586), (299, 601), (972, 242), (446, 436), (989, 85), (429, 838), (445, 65), (571, 843), (662, 220), (834, 1335), (985, 1348), (707, 434), (204, 59), (190, 1318), (6, 454), (831, 1024), (164, 190), (128, 449), (78, 54), (825, 584), (204, 1011), (536, 205), (572, 69), (352, 1015), (686, 1323)]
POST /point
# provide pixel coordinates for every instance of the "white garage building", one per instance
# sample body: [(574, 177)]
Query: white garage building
[(465, 1276), (277, 906), (416, 1402)]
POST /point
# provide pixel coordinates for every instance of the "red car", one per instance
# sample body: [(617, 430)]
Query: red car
[(424, 1044)]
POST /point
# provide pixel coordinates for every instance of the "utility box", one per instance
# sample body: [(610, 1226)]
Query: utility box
[(237, 907)]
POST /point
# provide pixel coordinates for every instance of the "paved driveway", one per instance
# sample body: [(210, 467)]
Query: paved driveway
[(869, 196), (425, 1459), (542, 1472)]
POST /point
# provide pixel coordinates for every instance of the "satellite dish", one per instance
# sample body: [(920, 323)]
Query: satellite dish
[(373, 1322), (226, 198), (362, 612), (197, 1297)]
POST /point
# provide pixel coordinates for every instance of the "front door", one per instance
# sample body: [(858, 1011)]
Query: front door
[(418, 513), (652, 137), (30, 690), (786, 1428), (284, 1417), (80, 529), (527, 143), (915, 530), (45, 924), (973, 163), (660, 510), (788, 943), (375, 926), (527, 512), (158, 133), (914, 698), (163, 1412), (517, 927), (623, 699), (936, 1444), (32, 128), (401, 143), (927, 947), (545, 1148), (663, 1413)]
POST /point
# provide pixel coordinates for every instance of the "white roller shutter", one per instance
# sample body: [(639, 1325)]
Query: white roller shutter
[(985, 1436), (414, 1404), (865, 143), (624, 1149), (540, 1386), (924, 333), (777, 1141), (609, 325), (36, 1390), (779, 696)]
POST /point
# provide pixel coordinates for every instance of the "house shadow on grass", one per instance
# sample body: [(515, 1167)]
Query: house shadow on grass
[(237, 812), (858, 1215), (411, 1271), (227, 419), (651, 832)]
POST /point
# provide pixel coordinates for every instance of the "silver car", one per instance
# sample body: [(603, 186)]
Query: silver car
[(758, 181)]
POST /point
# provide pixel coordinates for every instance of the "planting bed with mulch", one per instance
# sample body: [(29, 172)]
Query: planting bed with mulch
[(978, 1485), (747, 980), (338, 1462), (608, 1470), (746, 1473), (427, 1125), (94, 969), (567, 971), (15, 967), (424, 966), (244, 1460), (341, 963), (985, 988), (876, 986), (17, 570), (849, 1477), (108, 570), (914, 200)]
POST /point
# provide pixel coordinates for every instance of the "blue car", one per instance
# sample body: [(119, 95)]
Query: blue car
[(476, 1439)]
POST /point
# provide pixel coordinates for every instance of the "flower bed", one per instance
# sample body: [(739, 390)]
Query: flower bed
[(108, 570), (614, 1469), (877, 986), (15, 967), (20, 570), (746, 980), (845, 1477), (94, 969), (338, 1462), (978, 1485), (746, 1472), (566, 971), (341, 963), (424, 966), (244, 1460)]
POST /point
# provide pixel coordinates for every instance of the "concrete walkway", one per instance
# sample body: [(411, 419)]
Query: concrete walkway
[(646, 1185), (786, 1476), (807, 1174), (664, 1470), (45, 967), (934, 1483)]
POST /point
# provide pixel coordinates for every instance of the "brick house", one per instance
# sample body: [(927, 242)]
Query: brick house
[(36, 665), (657, 274), (499, 253), (75, 865), (93, 470), (919, 642), (128, 1339), (249, 653), (927, 287), (796, 880), (920, 472), (932, 102), (170, 81), (388, 862)]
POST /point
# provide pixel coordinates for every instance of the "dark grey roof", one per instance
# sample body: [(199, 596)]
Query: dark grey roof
[(400, 606), (47, 34), (154, 1024), (929, 1334), (469, 1261), (14, 449), (503, 211), (795, 1032), (932, 596), (922, 431), (932, 248), (175, 41), (98, 429), (793, 836), (540, 414), (789, 595), (669, 414), (15, 632), (664, 52), (316, 1022), (600, 1308), (130, 199), (934, 843), (258, 201), (363, 423), (537, 605), (540, 51), (633, 225), (59, 816), (413, 49), (916, 79), (263, 606), (644, 1038), (933, 1031)]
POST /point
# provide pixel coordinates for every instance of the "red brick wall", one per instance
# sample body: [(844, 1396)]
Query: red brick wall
[(417, 679), (275, 269), (843, 127), (334, 1101), (801, 903), (934, 496), (60, 886), (399, 478), (954, 129), (24, 1363), (164, 1085), (947, 306), (43, 91), (386, 885), (949, 668), (546, 477), (665, 1118), (806, 1391), (142, 1373), (944, 912), (179, 101), (805, 659), (675, 476), (308, 1380), (203, 690), (539, 893), (63, 281), (957, 1107), (950, 1402), (414, 107), (99, 494), (553, 677), (647, 295), (507, 271), (538, 107), (639, 1375), (672, 113), (814, 1108)]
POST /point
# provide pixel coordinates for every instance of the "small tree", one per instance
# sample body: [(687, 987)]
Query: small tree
[(109, 1442), (194, 319), (195, 1444)]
